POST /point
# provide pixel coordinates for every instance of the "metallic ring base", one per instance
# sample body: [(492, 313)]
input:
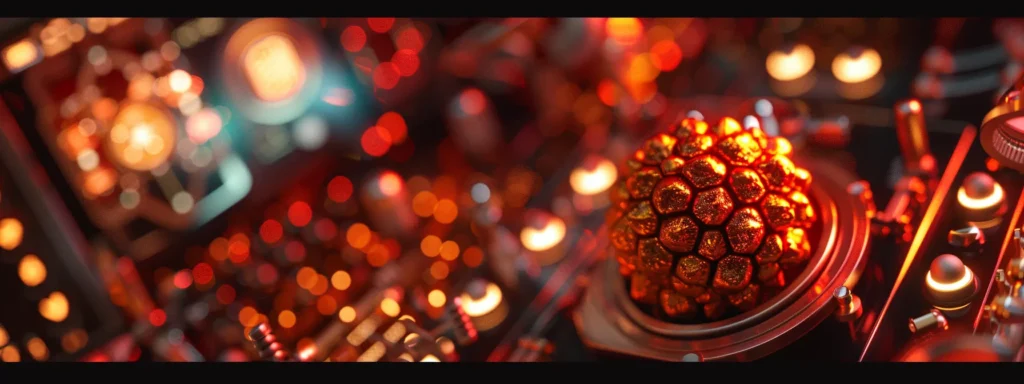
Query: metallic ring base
[(608, 321)]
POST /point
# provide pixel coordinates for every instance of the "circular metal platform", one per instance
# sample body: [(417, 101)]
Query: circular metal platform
[(608, 320)]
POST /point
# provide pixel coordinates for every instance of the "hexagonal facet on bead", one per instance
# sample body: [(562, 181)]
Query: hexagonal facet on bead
[(777, 211), (745, 230), (689, 127), (740, 150), (771, 250), (641, 184), (622, 236), (672, 165), (675, 304), (712, 206), (642, 289), (693, 270), (642, 219), (733, 273), (671, 195), (712, 245), (679, 234), (747, 185), (777, 172), (726, 127), (695, 145), (658, 148), (653, 259), (747, 298)]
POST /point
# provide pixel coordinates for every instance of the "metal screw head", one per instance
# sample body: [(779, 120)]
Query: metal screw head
[(692, 357)]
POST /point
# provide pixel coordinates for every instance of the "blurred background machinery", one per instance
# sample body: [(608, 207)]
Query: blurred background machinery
[(395, 189)]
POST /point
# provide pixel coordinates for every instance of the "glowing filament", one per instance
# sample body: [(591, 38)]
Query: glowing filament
[(485, 304), (273, 68), (980, 203), (964, 281), (793, 65), (595, 180), (544, 238), (850, 69)]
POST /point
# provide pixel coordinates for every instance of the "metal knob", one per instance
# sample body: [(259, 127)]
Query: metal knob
[(849, 304)]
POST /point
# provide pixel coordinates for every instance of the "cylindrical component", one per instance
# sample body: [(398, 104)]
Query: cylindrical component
[(950, 285), (966, 237), (912, 134), (933, 318), (462, 325), (850, 307)]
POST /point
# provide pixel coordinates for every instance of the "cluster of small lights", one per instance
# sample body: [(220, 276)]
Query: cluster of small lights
[(390, 130), (794, 66), (54, 307), (55, 37), (408, 37), (139, 133), (196, 31)]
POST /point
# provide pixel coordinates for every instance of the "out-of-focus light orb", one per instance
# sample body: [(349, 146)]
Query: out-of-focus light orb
[(179, 81), (203, 125), (543, 235), (390, 307), (480, 192), (31, 270), (273, 68), (310, 133), (54, 307), (142, 137), (436, 298), (624, 30), (594, 176), (347, 314), (856, 65), (791, 64), (11, 232)]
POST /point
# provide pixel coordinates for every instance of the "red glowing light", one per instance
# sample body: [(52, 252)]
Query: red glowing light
[(608, 92), (295, 251), (472, 101), (666, 55), (157, 317), (300, 214), (225, 294), (394, 124), (325, 229), (353, 38), (339, 189), (380, 24), (266, 274), (202, 273), (407, 61), (386, 75), (271, 231), (409, 38), (390, 183), (376, 141), (183, 279)]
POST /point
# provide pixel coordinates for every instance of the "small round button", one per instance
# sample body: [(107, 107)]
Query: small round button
[(982, 200), (950, 285)]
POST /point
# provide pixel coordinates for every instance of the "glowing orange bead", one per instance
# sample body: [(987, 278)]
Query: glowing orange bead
[(706, 217)]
